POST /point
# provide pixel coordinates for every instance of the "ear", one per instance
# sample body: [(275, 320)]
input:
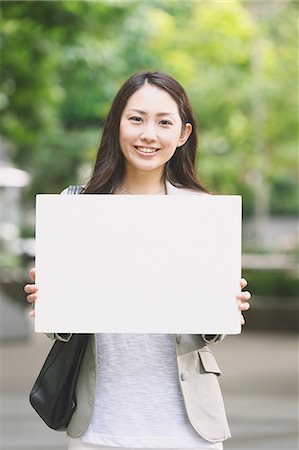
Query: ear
[(187, 130)]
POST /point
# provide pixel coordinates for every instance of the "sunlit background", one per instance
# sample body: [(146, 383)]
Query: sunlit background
[(62, 62)]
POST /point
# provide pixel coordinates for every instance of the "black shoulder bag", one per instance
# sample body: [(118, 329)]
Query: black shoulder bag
[(53, 394)]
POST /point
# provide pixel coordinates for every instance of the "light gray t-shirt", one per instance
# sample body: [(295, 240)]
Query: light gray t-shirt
[(138, 401)]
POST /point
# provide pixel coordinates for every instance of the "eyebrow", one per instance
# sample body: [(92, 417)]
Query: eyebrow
[(158, 114)]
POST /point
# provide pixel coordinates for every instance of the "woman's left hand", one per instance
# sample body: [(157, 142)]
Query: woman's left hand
[(243, 298)]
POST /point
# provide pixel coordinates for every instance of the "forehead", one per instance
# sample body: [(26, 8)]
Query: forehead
[(150, 98)]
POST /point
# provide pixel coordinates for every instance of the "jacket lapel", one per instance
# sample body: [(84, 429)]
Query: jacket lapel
[(172, 190)]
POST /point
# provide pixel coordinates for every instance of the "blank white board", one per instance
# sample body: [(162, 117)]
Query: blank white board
[(138, 264)]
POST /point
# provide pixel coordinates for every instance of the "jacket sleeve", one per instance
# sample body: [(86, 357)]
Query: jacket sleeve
[(212, 338), (64, 337)]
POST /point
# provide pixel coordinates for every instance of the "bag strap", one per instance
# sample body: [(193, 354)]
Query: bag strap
[(74, 189)]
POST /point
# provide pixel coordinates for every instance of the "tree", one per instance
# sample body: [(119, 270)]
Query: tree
[(62, 63)]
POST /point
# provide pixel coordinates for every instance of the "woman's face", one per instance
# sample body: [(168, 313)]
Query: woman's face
[(151, 129)]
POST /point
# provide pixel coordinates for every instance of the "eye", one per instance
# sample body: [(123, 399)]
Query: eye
[(166, 122), (135, 119)]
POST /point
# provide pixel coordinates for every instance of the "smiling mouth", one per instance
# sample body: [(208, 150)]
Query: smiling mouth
[(147, 150)]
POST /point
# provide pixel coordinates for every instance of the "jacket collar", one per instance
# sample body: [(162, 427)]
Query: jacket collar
[(173, 190)]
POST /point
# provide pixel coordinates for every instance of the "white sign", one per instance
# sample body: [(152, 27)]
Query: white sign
[(138, 263)]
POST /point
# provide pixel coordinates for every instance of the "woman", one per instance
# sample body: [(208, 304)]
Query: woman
[(139, 390)]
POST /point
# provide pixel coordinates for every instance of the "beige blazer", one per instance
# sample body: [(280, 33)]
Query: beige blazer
[(198, 374)]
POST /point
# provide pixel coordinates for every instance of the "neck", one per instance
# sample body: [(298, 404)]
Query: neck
[(142, 182)]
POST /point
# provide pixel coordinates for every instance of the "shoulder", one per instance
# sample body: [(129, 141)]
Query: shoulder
[(73, 190)]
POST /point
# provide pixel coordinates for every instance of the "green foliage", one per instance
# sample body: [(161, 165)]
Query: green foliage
[(277, 284), (62, 63)]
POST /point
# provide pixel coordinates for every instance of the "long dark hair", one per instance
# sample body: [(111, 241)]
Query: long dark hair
[(109, 167)]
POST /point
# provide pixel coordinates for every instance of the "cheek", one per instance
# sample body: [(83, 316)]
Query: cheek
[(123, 136), (173, 141), (126, 133)]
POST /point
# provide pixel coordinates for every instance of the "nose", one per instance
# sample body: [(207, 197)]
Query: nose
[(149, 132)]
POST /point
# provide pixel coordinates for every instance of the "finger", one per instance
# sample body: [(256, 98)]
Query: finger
[(30, 288), (244, 296), (32, 273), (243, 283), (31, 298), (31, 313), (242, 319), (244, 306)]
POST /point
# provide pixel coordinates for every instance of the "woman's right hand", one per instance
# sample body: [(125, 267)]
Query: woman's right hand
[(31, 290)]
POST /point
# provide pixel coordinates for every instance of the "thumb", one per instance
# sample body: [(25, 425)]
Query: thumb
[(32, 273)]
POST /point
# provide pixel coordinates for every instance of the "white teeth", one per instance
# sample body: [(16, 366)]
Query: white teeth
[(147, 149)]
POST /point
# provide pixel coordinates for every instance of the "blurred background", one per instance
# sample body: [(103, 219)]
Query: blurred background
[(61, 65)]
